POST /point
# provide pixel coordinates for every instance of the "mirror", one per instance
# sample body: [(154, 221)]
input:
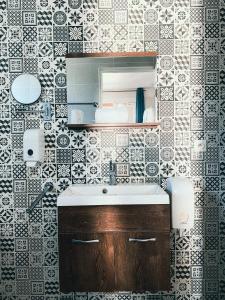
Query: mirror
[(103, 89), (26, 89)]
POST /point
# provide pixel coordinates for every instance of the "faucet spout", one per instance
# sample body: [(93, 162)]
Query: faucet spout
[(112, 173)]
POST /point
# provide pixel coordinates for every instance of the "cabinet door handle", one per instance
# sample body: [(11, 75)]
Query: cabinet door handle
[(142, 240), (74, 241)]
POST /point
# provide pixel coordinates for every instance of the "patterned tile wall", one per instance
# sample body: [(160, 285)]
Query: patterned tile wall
[(35, 35)]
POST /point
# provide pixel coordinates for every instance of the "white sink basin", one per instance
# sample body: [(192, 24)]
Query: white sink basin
[(91, 195)]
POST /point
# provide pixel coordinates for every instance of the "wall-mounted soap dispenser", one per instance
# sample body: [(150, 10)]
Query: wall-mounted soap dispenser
[(33, 146), (182, 203)]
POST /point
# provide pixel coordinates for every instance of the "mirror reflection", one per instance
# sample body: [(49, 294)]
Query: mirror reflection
[(111, 89)]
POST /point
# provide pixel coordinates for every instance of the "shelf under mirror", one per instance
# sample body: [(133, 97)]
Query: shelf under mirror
[(113, 54), (114, 125)]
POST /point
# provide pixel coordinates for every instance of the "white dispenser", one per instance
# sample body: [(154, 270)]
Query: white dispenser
[(33, 146), (182, 202)]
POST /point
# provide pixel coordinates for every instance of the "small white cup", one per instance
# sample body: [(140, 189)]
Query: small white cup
[(149, 115), (77, 116)]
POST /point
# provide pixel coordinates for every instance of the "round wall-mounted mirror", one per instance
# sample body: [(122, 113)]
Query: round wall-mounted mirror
[(26, 88)]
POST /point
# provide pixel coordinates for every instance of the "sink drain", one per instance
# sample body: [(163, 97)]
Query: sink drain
[(104, 191)]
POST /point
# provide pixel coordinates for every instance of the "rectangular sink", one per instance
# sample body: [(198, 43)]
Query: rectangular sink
[(92, 195)]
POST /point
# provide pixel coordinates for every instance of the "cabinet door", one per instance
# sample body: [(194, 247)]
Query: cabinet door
[(142, 261), (89, 259)]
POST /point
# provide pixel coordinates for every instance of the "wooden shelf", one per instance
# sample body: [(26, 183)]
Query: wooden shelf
[(113, 125), (113, 54)]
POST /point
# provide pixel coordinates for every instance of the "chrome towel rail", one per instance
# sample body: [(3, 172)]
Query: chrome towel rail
[(47, 188)]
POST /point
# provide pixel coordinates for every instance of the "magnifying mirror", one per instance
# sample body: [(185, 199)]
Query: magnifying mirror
[(26, 88)]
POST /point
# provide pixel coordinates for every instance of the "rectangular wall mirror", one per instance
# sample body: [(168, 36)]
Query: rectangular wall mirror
[(102, 88)]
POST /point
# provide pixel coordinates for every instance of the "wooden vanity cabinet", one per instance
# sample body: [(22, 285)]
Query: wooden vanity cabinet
[(141, 262), (86, 266), (114, 248)]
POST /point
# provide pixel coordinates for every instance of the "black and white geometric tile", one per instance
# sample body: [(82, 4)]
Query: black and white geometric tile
[(35, 36)]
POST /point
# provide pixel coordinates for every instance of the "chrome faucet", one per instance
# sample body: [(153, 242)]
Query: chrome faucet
[(112, 173)]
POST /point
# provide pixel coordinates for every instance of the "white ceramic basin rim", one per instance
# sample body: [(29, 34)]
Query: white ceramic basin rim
[(86, 195)]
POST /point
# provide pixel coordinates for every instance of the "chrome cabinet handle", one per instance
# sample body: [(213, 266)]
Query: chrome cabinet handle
[(142, 240), (74, 241)]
